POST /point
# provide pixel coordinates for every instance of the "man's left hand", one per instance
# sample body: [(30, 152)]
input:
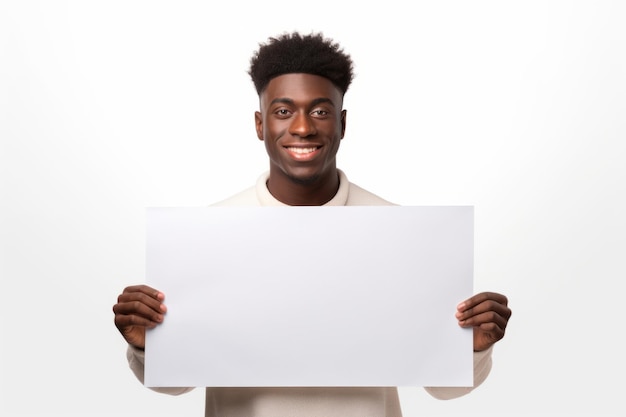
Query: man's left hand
[(488, 313)]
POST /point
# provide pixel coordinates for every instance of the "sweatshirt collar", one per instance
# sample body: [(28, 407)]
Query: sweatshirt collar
[(267, 199)]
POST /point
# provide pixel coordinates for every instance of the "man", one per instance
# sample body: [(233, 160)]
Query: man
[(301, 82)]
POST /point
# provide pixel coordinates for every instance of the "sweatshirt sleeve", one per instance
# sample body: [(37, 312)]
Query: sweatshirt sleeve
[(136, 360), (482, 367)]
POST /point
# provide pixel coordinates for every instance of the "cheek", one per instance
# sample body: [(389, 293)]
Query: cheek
[(274, 131), (271, 138), (333, 128), (335, 133)]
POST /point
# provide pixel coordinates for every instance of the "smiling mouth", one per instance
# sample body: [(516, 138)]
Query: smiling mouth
[(302, 151)]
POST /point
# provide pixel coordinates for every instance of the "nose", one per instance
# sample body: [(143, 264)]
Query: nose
[(302, 125)]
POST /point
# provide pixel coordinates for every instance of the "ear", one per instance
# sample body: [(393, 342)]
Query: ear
[(258, 123), (343, 122)]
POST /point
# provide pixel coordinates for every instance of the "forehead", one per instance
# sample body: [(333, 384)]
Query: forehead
[(301, 87)]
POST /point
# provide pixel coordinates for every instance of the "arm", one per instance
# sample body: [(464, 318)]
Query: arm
[(136, 362), (482, 366), (488, 314), (139, 308)]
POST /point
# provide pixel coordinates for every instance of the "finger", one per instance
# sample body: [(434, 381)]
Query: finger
[(484, 307), (486, 335), (481, 303), (149, 291), (485, 320), (123, 321), (138, 307), (152, 300), (491, 328), (481, 298)]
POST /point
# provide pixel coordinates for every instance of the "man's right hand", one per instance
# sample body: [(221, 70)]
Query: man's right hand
[(138, 308)]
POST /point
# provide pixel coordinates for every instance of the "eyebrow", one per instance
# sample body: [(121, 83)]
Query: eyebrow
[(315, 102)]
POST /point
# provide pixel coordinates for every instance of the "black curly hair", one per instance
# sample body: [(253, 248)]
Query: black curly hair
[(296, 53)]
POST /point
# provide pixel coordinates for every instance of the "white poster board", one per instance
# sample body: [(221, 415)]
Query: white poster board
[(310, 296)]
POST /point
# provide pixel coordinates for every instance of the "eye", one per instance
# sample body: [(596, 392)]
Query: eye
[(282, 113), (320, 113)]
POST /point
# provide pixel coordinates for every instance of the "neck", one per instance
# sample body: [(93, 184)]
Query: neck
[(315, 192)]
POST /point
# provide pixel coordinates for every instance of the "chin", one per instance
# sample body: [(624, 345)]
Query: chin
[(304, 180)]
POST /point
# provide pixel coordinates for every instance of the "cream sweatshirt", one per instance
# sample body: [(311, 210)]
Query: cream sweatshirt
[(309, 401)]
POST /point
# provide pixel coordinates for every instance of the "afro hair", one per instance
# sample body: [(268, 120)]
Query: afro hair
[(295, 53)]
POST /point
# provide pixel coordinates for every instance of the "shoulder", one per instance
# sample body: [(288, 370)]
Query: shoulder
[(256, 195), (358, 196), (246, 197)]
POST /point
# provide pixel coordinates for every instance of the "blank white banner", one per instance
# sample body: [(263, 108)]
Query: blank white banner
[(310, 296)]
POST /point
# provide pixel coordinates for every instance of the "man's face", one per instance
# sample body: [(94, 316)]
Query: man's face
[(301, 123)]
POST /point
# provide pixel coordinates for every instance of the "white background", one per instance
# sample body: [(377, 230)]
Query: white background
[(516, 108)]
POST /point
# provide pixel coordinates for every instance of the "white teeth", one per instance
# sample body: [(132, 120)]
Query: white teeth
[(301, 150)]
